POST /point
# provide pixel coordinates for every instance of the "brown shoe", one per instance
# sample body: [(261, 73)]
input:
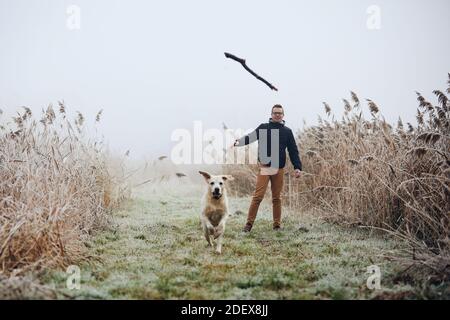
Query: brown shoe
[(276, 228), (248, 227)]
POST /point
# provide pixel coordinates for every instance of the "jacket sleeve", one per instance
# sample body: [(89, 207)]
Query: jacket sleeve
[(249, 138), (293, 152)]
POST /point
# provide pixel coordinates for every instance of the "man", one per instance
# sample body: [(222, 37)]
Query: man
[(274, 137)]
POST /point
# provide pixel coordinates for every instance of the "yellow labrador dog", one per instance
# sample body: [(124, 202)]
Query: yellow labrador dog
[(215, 208)]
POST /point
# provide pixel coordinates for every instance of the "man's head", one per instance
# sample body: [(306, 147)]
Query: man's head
[(277, 113)]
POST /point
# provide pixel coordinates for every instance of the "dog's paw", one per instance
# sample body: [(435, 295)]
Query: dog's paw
[(218, 251), (218, 231)]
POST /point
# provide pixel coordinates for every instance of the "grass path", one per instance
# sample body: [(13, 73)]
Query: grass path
[(155, 250)]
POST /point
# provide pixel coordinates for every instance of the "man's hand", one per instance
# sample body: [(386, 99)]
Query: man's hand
[(297, 173)]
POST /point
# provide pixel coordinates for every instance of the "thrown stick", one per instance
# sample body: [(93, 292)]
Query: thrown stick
[(242, 61)]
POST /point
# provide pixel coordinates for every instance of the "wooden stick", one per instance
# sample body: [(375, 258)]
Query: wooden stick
[(242, 61)]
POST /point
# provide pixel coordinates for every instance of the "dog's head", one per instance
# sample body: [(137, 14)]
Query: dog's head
[(216, 184)]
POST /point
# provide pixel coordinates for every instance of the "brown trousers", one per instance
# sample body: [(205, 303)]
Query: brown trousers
[(276, 183)]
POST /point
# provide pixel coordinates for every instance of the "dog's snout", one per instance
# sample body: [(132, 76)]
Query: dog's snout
[(216, 190)]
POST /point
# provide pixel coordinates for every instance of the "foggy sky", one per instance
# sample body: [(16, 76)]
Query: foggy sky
[(156, 66)]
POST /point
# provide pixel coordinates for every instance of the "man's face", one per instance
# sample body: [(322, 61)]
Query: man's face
[(277, 114)]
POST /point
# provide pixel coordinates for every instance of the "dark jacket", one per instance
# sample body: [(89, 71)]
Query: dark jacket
[(286, 140)]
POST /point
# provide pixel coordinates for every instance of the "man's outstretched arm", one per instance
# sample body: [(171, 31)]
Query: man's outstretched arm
[(249, 138)]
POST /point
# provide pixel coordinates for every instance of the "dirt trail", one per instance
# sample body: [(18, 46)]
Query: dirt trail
[(155, 250)]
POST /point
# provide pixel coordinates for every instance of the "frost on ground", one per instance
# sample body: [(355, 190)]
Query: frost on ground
[(155, 249)]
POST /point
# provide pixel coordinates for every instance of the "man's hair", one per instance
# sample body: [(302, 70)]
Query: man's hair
[(277, 106)]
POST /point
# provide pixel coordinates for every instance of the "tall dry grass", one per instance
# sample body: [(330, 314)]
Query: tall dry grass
[(55, 190), (365, 171)]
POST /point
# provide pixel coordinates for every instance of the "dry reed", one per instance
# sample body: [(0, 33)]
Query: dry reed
[(55, 190), (366, 172)]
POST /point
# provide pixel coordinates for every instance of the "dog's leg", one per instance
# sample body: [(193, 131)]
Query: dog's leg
[(219, 244), (218, 230), (206, 231), (207, 224), (219, 236), (208, 237)]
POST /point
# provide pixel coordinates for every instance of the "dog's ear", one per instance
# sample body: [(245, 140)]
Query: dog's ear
[(205, 174), (228, 177)]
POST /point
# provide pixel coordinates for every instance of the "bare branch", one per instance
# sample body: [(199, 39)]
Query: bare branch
[(242, 61)]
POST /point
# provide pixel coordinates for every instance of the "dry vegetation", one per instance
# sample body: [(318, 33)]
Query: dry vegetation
[(360, 171), (55, 190), (57, 187)]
